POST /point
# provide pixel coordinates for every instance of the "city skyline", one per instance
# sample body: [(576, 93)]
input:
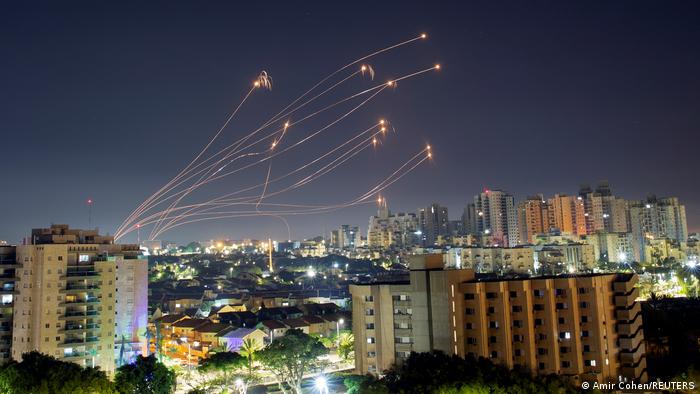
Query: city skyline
[(125, 107)]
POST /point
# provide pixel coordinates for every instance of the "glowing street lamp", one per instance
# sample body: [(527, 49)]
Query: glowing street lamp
[(241, 386), (321, 385), (189, 352), (337, 330)]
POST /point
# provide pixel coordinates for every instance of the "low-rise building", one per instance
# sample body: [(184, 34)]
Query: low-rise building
[(272, 329), (518, 259), (231, 340)]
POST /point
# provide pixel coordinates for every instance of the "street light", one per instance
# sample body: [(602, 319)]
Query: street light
[(337, 328), (189, 352), (321, 385), (241, 386)]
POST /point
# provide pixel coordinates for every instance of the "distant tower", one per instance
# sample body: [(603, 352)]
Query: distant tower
[(89, 204), (383, 210), (269, 254)]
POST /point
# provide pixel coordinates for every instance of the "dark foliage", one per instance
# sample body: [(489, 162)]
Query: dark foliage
[(41, 374), (146, 375), (436, 372)]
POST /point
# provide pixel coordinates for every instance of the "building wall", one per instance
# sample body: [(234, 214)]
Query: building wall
[(7, 290), (131, 306)]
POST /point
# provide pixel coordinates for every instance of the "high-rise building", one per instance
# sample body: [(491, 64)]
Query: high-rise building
[(656, 218), (434, 223), (346, 237), (80, 297), (496, 217), (533, 218), (469, 219), (569, 214), (7, 281), (604, 211), (586, 326), (391, 230)]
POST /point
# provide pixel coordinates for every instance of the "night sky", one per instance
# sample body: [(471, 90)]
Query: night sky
[(110, 101)]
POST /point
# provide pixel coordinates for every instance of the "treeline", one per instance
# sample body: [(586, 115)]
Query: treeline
[(437, 372), (38, 373)]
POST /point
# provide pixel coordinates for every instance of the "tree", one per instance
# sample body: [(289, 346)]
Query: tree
[(452, 374), (42, 374), (145, 375), (291, 356), (346, 344), (225, 363), (248, 349)]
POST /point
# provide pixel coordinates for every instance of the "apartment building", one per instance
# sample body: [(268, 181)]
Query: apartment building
[(80, 297), (486, 259), (587, 327), (7, 289), (656, 218), (497, 217)]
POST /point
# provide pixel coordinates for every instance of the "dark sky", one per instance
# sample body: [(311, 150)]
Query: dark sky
[(110, 100)]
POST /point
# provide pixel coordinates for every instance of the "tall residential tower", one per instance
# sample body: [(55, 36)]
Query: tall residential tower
[(80, 297)]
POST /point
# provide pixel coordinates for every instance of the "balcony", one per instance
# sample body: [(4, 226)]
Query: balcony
[(8, 278), (79, 275), (69, 342), (79, 328), (631, 343), (624, 286), (635, 371), (81, 302), (403, 332), (72, 288), (627, 299), (633, 357), (628, 313), (79, 315), (628, 329), (75, 356)]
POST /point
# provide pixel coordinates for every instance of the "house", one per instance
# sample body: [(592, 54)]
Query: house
[(232, 339), (272, 329), (319, 309), (237, 319), (193, 312), (342, 318), (206, 333), (165, 322), (318, 325), (185, 327), (298, 323), (228, 299), (179, 305), (279, 313), (227, 308)]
